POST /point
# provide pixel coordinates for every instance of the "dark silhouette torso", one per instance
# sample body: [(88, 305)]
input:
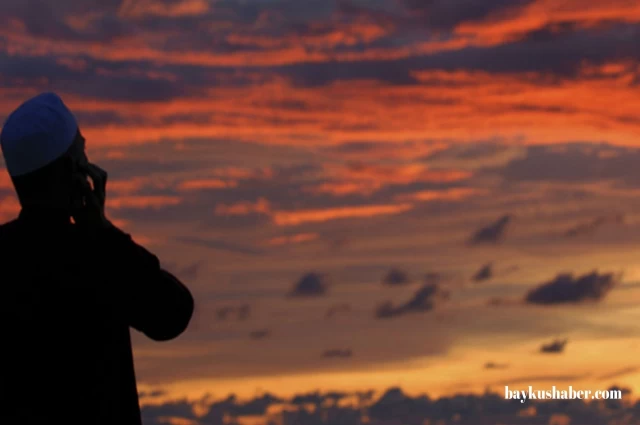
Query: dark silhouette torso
[(66, 349)]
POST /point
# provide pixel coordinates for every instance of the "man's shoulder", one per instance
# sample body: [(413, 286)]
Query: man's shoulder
[(9, 228), (9, 236)]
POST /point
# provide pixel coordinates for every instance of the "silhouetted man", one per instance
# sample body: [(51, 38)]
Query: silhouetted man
[(71, 290)]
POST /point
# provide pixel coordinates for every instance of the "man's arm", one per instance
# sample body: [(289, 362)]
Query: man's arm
[(152, 300)]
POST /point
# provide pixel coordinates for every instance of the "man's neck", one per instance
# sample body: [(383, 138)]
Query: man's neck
[(43, 209), (43, 204)]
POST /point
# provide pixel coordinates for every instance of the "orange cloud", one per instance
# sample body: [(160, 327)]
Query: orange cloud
[(293, 239), (126, 186), (317, 44), (141, 202), (321, 35), (293, 218), (346, 188), (365, 179), (381, 151), (546, 12), (463, 106), (380, 125), (199, 184), (136, 9), (241, 173), (261, 206), (455, 194), (403, 174)]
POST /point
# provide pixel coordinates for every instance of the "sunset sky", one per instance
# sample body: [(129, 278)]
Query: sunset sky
[(361, 194)]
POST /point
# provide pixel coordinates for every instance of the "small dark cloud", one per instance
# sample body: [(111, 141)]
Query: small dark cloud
[(593, 225), (424, 300), (492, 365), (259, 334), (315, 398), (485, 273), (388, 407), (188, 272), (230, 407), (154, 413), (334, 397), (497, 302), (223, 313), (567, 289), (310, 285), (337, 353), (152, 394), (339, 243), (396, 277), (554, 347), (244, 311), (337, 309), (241, 312), (320, 400), (492, 233), (623, 390), (614, 404)]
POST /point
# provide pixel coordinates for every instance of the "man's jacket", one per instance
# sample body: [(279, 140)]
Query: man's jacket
[(68, 298)]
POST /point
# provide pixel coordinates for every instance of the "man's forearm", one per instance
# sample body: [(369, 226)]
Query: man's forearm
[(153, 301)]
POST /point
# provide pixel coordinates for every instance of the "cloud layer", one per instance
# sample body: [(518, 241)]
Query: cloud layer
[(310, 168)]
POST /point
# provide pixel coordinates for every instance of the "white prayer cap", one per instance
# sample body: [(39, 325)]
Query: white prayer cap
[(40, 131)]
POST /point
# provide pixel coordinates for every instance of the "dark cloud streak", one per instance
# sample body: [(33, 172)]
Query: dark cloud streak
[(395, 406), (555, 347), (565, 289), (492, 233), (424, 300), (396, 277), (447, 14), (310, 285), (485, 273)]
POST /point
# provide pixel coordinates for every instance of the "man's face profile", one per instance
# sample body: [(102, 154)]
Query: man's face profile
[(78, 155)]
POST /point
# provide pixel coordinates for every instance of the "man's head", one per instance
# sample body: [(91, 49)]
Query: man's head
[(43, 151)]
